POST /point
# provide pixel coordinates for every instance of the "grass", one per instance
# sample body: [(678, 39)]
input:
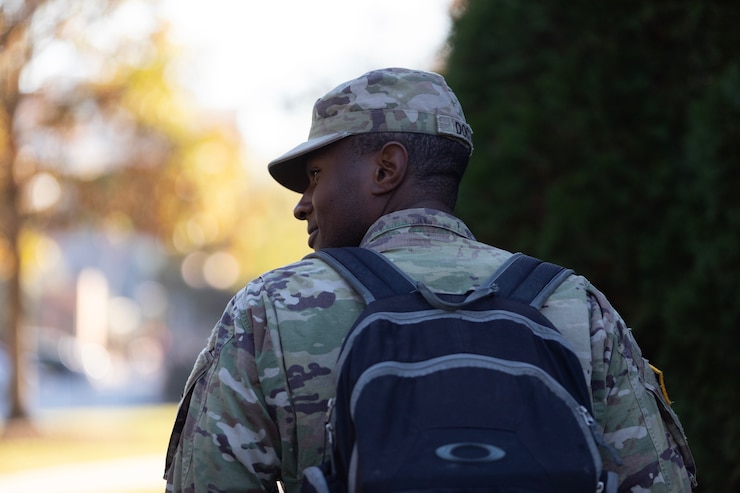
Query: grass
[(75, 436)]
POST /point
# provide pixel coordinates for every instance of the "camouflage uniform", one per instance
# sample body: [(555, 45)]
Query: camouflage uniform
[(253, 409), (259, 389)]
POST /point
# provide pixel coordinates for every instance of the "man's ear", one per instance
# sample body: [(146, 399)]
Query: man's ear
[(391, 164)]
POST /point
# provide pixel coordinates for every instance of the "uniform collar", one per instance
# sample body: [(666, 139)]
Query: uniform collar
[(424, 221)]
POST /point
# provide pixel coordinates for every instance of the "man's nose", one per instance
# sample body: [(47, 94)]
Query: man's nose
[(303, 208)]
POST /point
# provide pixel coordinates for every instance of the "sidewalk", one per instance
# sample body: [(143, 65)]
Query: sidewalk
[(128, 475)]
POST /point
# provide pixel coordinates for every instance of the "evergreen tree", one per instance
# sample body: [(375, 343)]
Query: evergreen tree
[(607, 138)]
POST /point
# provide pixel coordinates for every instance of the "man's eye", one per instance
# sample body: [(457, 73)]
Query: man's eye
[(314, 174)]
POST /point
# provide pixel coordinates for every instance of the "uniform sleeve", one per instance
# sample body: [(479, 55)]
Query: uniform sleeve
[(229, 440), (634, 416)]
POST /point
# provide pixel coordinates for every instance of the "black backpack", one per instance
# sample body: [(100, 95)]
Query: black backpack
[(457, 393)]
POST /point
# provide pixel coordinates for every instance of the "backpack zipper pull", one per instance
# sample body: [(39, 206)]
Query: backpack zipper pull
[(329, 427)]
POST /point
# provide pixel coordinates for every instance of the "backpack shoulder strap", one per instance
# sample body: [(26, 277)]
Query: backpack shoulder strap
[(528, 279), (521, 278), (367, 271)]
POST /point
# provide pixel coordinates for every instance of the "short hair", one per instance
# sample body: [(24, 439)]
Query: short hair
[(436, 164)]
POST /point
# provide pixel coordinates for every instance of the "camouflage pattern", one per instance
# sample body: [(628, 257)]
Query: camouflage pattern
[(386, 100), (254, 406)]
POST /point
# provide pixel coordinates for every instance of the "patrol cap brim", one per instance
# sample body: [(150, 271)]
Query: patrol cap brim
[(289, 169)]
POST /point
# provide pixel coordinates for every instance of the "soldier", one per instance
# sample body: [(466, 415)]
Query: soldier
[(381, 169)]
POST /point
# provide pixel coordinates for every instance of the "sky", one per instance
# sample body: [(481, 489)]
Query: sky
[(269, 60)]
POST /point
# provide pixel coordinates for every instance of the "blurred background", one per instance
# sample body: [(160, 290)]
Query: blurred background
[(135, 201)]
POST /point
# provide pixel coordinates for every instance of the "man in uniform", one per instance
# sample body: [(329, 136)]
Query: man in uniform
[(381, 169)]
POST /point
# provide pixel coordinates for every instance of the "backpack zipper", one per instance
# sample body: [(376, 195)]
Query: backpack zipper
[(415, 317)]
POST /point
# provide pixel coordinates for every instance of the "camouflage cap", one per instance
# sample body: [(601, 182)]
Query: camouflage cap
[(386, 100)]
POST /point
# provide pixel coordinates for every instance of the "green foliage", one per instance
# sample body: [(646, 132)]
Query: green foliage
[(607, 138)]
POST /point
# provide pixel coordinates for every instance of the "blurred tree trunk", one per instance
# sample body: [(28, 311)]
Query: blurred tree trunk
[(14, 54), (14, 302)]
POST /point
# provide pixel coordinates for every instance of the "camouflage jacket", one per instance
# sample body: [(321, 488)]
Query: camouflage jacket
[(253, 408)]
